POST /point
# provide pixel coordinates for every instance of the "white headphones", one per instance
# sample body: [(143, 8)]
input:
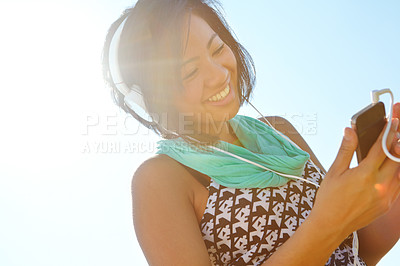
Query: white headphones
[(133, 95)]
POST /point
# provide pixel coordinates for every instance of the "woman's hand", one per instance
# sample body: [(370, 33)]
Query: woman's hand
[(352, 198), (380, 236), (347, 200)]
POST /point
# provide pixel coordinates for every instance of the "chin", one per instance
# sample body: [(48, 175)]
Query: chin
[(228, 114)]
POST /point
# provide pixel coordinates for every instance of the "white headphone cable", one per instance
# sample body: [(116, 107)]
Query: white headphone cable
[(375, 98)]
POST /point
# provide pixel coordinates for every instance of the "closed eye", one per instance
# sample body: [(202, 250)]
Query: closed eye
[(216, 52), (219, 50), (191, 74)]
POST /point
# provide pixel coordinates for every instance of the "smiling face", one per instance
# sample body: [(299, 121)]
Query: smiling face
[(209, 78)]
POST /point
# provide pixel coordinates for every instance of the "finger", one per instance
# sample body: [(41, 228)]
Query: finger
[(376, 155), (397, 144), (392, 139), (390, 169), (396, 110), (346, 151)]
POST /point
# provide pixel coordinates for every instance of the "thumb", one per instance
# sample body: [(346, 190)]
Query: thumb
[(346, 151)]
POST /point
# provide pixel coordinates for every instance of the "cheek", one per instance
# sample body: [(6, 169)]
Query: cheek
[(189, 100), (231, 61), (192, 95)]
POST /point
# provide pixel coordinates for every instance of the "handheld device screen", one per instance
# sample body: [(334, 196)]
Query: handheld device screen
[(368, 123)]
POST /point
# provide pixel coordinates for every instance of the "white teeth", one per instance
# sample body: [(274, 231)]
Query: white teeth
[(223, 93), (220, 95)]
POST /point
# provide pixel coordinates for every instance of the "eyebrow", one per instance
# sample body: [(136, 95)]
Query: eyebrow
[(208, 47)]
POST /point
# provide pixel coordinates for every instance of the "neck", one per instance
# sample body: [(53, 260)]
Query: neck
[(225, 132)]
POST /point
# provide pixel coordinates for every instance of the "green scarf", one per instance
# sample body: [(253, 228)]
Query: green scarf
[(262, 145)]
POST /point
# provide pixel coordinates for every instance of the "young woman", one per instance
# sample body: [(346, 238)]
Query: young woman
[(226, 189)]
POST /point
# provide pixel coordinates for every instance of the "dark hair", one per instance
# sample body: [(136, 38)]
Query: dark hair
[(150, 50)]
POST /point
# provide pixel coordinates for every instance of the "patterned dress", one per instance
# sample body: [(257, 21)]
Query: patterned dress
[(246, 226)]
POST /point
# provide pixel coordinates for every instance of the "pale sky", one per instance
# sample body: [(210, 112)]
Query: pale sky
[(68, 154)]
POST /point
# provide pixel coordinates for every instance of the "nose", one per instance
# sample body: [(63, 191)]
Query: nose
[(215, 74)]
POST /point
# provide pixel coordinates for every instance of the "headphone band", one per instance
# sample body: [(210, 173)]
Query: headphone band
[(132, 95)]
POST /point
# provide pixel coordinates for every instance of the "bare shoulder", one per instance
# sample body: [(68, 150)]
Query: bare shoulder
[(159, 174), (285, 127), (163, 213), (155, 166), (282, 125)]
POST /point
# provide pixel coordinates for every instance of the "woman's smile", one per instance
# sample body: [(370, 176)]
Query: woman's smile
[(223, 97)]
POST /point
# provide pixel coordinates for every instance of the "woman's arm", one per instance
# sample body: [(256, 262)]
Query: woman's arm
[(163, 214), (380, 236)]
